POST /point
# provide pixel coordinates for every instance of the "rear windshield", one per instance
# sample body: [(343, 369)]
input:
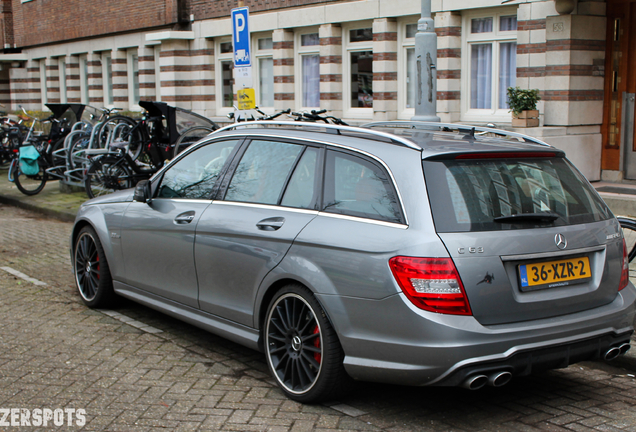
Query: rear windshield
[(468, 194)]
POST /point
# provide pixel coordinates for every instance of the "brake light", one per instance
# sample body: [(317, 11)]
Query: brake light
[(432, 284), (625, 272)]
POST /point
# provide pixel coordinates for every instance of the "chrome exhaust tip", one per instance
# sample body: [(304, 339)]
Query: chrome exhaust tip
[(475, 382), (612, 353), (624, 348), (499, 379)]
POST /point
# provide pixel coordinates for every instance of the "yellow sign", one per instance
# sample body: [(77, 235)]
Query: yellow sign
[(246, 99)]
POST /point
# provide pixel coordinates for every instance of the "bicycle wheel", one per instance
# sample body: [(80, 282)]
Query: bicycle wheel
[(629, 232), (106, 175), (189, 137), (29, 184), (124, 132), (76, 154)]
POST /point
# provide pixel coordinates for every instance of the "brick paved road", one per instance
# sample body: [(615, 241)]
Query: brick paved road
[(56, 353)]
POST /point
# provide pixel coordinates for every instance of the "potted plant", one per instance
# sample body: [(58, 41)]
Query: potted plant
[(523, 105)]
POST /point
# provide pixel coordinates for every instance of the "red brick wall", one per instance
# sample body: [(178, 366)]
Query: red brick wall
[(43, 21), (204, 9), (6, 23)]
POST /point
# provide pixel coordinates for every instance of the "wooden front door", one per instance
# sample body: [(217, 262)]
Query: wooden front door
[(619, 145)]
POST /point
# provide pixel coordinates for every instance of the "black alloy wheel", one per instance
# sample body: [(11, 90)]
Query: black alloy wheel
[(302, 348), (92, 275)]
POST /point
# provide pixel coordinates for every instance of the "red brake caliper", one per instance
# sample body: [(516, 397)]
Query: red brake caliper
[(317, 356), (97, 266)]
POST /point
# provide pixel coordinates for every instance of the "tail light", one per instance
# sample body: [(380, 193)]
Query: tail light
[(432, 284), (625, 272)]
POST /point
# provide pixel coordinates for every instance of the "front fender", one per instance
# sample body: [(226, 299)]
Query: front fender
[(106, 221)]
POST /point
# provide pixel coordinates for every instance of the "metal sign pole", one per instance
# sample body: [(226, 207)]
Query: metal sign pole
[(426, 67)]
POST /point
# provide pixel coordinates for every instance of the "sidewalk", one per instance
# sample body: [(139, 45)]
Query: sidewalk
[(50, 202), (63, 206)]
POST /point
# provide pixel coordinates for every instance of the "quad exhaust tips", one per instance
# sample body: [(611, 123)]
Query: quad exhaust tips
[(495, 379), (614, 352)]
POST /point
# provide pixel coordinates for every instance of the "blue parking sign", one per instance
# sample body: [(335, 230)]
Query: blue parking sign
[(241, 37)]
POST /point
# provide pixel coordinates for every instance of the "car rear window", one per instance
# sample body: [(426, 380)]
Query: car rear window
[(468, 194)]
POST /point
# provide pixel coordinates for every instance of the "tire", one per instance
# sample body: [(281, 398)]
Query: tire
[(106, 175), (58, 161), (629, 232), (75, 155), (92, 274), (189, 137), (29, 184), (302, 348)]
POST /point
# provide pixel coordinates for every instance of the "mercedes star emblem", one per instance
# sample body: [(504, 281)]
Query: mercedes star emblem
[(560, 241)]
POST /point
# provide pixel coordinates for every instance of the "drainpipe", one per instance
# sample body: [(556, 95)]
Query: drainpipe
[(426, 67)]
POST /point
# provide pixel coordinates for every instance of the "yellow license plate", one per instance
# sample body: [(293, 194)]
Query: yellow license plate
[(552, 274)]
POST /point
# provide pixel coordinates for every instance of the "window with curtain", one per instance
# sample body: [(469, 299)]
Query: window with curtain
[(309, 58), (408, 43), (107, 63), (358, 70), (491, 46), (224, 75), (265, 60)]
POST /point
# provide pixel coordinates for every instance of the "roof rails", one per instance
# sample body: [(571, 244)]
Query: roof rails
[(330, 128), (447, 127)]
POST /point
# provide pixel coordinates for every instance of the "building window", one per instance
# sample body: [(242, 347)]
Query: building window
[(264, 68), (406, 69), (358, 70), (490, 62), (62, 71), (43, 88), (308, 69), (84, 80), (107, 73), (224, 76), (158, 73), (132, 61)]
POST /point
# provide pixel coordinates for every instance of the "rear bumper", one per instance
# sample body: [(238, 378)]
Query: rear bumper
[(391, 341)]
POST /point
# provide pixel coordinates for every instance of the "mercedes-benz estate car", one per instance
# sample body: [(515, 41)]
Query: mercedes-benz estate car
[(407, 253)]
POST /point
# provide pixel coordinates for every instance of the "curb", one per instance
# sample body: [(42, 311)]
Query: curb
[(56, 214)]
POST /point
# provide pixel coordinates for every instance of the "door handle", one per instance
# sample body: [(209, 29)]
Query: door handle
[(184, 218), (271, 224)]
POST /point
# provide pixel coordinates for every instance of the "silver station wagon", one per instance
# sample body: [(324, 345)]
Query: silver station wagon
[(398, 252)]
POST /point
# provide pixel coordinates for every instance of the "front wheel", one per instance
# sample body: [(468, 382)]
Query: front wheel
[(28, 184), (106, 175), (302, 348), (92, 274)]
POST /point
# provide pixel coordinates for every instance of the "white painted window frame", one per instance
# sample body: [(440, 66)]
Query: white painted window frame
[(496, 37), (299, 52), (257, 55), (348, 48), (62, 72), (107, 78), (404, 44), (84, 93), (218, 75), (133, 104), (157, 54), (43, 88)]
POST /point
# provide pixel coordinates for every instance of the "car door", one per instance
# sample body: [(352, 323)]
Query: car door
[(271, 196), (158, 237)]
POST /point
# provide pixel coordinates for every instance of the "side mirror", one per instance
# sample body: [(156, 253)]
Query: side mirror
[(143, 192)]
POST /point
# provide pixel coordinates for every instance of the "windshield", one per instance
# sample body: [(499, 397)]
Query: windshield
[(482, 194)]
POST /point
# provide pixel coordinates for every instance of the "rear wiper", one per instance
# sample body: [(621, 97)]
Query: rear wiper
[(528, 217)]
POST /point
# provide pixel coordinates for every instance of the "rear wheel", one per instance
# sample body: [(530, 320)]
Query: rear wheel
[(302, 348), (106, 175), (92, 274), (29, 184)]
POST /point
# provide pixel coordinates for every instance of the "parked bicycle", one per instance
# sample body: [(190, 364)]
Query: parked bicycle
[(163, 132)]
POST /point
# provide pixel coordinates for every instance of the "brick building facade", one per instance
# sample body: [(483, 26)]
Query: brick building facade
[(353, 57)]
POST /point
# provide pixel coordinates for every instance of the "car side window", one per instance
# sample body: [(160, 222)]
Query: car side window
[(261, 175), (301, 189), (355, 186), (195, 175)]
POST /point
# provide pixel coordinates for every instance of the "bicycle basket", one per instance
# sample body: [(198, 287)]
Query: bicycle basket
[(29, 160)]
